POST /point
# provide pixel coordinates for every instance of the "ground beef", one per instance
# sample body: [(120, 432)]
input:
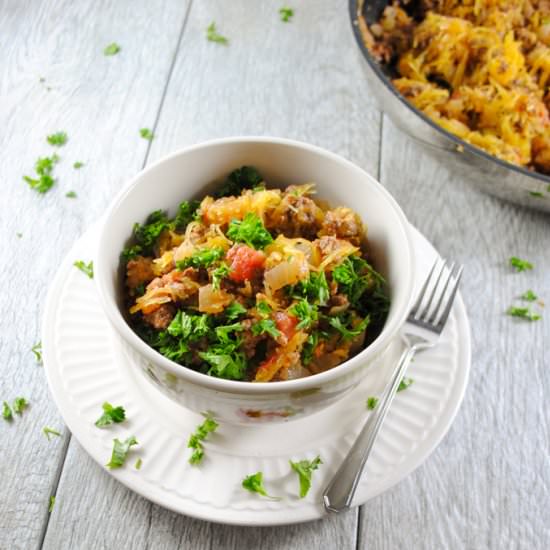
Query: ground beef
[(249, 340), (343, 223), (161, 317), (296, 216)]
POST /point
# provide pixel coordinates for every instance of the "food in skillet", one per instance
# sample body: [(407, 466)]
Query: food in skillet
[(253, 283), (478, 68)]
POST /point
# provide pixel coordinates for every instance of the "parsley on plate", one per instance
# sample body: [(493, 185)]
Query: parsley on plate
[(520, 265), (255, 484), (120, 452), (304, 469), (405, 383), (286, 14), (111, 415), (111, 49), (371, 403), (86, 268), (195, 439)]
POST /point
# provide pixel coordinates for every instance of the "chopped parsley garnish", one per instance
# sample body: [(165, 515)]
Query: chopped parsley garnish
[(306, 313), (519, 264), (111, 49), (286, 14), (234, 310), (315, 289), (246, 177), (186, 213), (304, 469), (58, 139), (202, 258), (78, 165), (48, 432), (120, 452), (220, 273), (523, 313), (146, 235), (225, 361), (213, 35), (371, 403), (145, 133), (354, 276), (7, 413), (44, 168), (529, 296), (310, 345), (537, 194), (86, 268), (71, 195), (263, 308), (405, 383), (255, 484), (138, 464), (251, 231), (195, 439), (266, 326), (345, 328), (37, 350), (189, 327), (111, 415), (19, 405), (52, 504)]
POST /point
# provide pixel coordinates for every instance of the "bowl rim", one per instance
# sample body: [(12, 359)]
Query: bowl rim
[(238, 386), (354, 6)]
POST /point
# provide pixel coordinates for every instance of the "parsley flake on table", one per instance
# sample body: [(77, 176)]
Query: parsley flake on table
[(48, 432), (37, 350), (111, 415), (286, 14), (7, 413), (529, 296), (536, 194), (86, 268), (147, 134), (111, 49), (138, 464), (44, 168), (213, 36), (78, 165), (520, 265), (255, 484), (195, 439), (405, 383), (523, 313), (58, 139), (251, 231), (19, 405), (304, 469), (120, 452), (71, 195), (371, 403), (52, 504)]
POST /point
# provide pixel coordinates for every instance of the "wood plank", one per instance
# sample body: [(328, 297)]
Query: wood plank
[(482, 487), (101, 102), (283, 88)]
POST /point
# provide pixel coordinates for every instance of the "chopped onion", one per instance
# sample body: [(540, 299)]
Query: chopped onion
[(285, 273), (211, 300)]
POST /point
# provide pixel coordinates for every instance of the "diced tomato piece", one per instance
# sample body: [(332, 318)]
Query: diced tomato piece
[(267, 369), (245, 262), (286, 323)]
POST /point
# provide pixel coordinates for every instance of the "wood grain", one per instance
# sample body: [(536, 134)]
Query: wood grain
[(101, 102), (486, 485)]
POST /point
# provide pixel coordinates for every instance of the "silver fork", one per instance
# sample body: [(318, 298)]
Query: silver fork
[(421, 331)]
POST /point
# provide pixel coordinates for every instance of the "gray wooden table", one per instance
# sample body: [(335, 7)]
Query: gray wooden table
[(487, 484)]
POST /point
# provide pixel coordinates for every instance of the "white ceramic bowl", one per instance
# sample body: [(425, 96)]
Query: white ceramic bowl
[(190, 173)]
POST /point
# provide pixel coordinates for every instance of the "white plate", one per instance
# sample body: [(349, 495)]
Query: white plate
[(85, 366)]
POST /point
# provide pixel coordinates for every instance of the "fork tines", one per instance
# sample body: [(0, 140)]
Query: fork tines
[(436, 297)]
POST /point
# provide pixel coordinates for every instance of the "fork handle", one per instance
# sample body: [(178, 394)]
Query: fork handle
[(339, 493)]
